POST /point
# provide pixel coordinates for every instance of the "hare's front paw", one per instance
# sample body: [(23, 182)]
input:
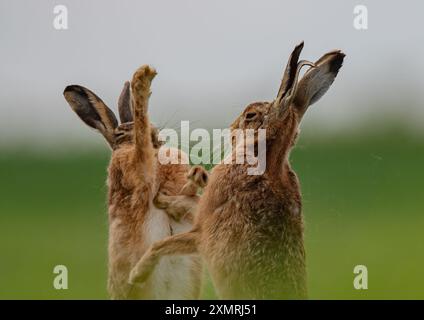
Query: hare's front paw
[(199, 176), (161, 201), (139, 275), (142, 80)]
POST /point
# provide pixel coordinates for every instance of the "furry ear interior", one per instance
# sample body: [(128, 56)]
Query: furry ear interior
[(124, 104), (92, 111), (316, 81)]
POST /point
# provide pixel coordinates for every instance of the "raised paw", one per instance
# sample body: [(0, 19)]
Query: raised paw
[(140, 273), (142, 80), (161, 201), (199, 176)]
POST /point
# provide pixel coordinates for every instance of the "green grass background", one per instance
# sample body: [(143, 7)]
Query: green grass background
[(363, 204)]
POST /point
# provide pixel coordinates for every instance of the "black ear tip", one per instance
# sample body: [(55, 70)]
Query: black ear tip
[(296, 52), (300, 46), (337, 62), (341, 55), (73, 88)]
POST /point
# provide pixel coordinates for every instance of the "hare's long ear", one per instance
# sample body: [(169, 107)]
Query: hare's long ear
[(92, 110), (318, 80), (124, 104), (288, 86)]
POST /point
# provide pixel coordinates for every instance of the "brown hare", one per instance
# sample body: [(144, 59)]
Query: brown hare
[(249, 228), (135, 176)]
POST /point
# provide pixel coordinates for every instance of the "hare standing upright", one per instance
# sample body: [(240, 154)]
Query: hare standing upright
[(135, 177), (249, 228)]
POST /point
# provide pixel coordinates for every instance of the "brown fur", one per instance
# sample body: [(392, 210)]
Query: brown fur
[(249, 229), (135, 176), (184, 205)]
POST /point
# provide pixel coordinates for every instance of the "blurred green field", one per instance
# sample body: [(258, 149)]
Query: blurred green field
[(363, 204)]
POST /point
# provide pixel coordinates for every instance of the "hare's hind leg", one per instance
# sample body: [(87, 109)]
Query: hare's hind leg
[(180, 244)]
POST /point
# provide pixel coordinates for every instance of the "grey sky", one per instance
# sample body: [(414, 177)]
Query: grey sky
[(213, 58)]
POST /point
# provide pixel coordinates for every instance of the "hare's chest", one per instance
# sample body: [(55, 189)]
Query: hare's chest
[(157, 226), (172, 278)]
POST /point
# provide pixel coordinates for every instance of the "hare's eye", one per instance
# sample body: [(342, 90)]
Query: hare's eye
[(250, 115)]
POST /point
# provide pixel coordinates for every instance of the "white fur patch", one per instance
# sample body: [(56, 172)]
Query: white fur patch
[(172, 276)]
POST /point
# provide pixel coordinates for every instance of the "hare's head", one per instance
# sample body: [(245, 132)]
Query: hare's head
[(94, 112), (294, 97)]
